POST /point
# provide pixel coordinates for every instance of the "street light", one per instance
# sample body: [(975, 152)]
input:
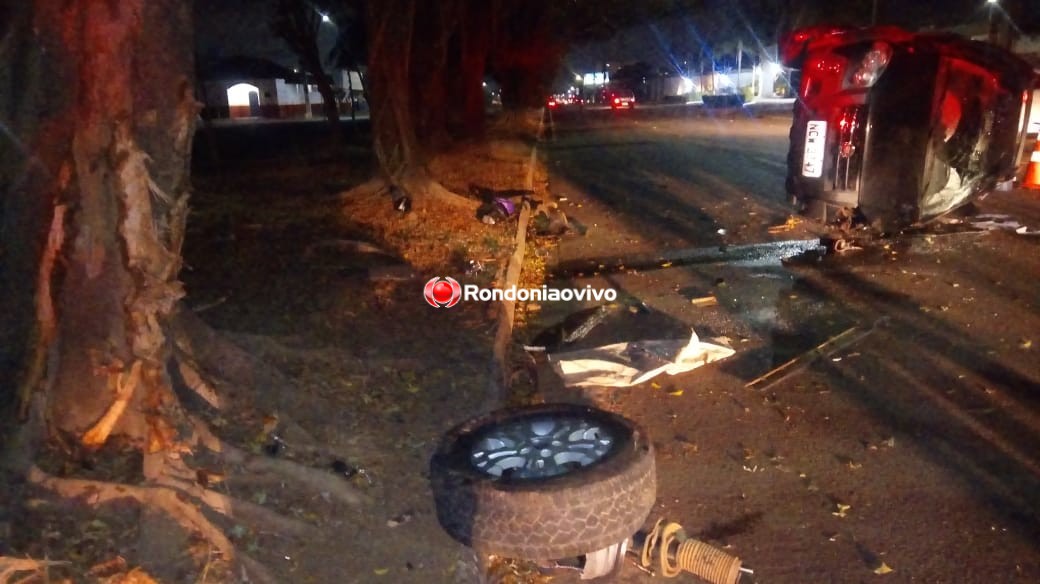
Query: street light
[(993, 5)]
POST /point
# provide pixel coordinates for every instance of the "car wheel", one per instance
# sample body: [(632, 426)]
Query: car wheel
[(544, 482)]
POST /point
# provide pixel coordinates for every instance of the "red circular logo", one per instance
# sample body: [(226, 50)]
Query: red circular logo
[(442, 292)]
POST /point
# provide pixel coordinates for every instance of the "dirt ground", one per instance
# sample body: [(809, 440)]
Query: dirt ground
[(357, 363)]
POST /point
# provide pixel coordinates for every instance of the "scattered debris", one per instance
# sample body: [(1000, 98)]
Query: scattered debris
[(551, 221), (496, 210), (788, 225), (401, 519), (992, 222), (825, 349), (672, 551), (883, 569), (705, 301), (347, 471), (474, 267), (842, 510), (576, 326), (401, 201), (631, 363), (275, 446)]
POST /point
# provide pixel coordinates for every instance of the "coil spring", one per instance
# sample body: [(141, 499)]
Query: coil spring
[(677, 553)]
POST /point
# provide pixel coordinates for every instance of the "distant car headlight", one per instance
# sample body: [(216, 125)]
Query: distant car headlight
[(871, 66)]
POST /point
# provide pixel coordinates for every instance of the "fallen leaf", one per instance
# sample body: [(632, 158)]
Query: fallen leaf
[(842, 509), (381, 571), (883, 569), (676, 392)]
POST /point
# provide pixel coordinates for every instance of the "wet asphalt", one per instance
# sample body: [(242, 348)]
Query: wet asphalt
[(910, 444)]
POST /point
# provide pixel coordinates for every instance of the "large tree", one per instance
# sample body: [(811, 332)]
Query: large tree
[(410, 62), (95, 182), (426, 65), (298, 23)]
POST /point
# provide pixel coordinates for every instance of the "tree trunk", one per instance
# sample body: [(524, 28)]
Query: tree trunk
[(330, 106), (474, 44), (391, 25), (297, 23), (402, 159), (527, 53), (111, 154)]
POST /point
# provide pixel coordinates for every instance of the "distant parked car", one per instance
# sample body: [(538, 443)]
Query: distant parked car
[(894, 128), (622, 99)]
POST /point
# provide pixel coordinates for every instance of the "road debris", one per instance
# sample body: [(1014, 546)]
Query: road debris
[(631, 363), (827, 348), (673, 552), (883, 569), (788, 225), (991, 222), (705, 301), (551, 221), (575, 327), (401, 519)]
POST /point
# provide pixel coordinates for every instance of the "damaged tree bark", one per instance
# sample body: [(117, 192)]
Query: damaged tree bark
[(94, 211)]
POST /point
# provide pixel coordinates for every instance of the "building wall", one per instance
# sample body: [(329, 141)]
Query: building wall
[(278, 99)]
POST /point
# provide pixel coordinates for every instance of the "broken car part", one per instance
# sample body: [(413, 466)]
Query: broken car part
[(669, 548)]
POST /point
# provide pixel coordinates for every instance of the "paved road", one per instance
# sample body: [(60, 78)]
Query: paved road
[(917, 447)]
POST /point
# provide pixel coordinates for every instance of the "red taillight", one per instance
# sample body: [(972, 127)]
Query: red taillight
[(552, 103), (872, 65), (617, 100)]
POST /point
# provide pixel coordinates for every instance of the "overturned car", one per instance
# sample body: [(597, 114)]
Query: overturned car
[(893, 128)]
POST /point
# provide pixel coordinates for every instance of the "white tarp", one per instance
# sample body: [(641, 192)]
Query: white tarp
[(631, 363)]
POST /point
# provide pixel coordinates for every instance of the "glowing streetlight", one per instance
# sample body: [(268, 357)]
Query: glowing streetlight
[(993, 5), (325, 17)]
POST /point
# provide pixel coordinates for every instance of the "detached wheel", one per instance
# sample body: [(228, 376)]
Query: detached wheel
[(544, 482)]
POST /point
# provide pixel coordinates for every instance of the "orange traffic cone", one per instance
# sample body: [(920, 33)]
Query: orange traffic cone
[(1032, 180)]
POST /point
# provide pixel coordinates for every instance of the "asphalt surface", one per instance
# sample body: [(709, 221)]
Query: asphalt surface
[(915, 448)]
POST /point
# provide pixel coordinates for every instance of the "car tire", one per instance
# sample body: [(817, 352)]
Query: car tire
[(582, 510)]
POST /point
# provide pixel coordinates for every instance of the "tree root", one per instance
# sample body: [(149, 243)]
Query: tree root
[(318, 480), (11, 566), (125, 386), (238, 509), (419, 185), (166, 499)]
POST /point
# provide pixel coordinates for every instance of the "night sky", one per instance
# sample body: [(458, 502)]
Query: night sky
[(239, 27)]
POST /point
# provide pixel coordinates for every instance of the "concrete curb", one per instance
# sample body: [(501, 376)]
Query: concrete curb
[(499, 369)]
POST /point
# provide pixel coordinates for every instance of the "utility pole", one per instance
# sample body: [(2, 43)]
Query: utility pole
[(874, 13), (740, 61)]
